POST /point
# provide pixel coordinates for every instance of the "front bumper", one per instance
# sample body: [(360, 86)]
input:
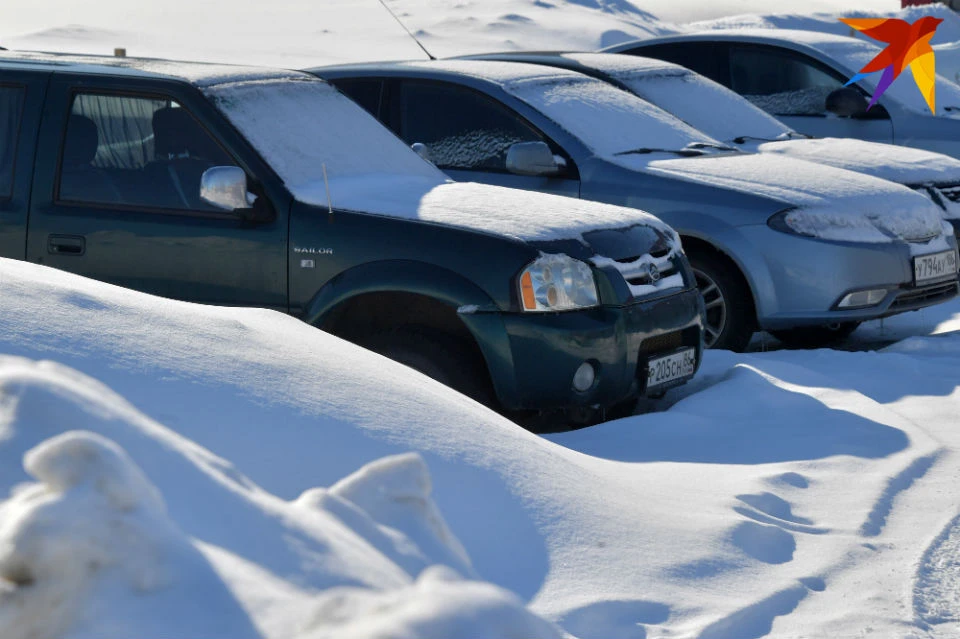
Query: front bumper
[(807, 277), (532, 357)]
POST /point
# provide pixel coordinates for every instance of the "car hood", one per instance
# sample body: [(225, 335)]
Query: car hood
[(900, 164), (831, 203), (544, 220)]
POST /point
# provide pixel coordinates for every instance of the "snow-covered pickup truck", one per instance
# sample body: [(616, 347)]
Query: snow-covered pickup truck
[(252, 187)]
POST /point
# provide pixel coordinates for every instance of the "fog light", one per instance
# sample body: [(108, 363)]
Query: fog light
[(584, 377), (871, 297)]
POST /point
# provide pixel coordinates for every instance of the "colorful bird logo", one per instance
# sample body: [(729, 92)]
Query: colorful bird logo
[(907, 45)]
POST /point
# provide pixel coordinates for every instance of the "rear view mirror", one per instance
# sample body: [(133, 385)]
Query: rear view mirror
[(846, 102), (532, 158)]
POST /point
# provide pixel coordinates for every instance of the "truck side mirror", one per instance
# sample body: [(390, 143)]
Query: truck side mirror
[(532, 158), (847, 102), (225, 187)]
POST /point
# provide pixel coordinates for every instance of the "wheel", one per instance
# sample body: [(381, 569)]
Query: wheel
[(816, 336), (730, 315), (436, 355)]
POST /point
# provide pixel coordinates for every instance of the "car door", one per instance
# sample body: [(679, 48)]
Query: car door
[(467, 133), (116, 196), (793, 87), (21, 102)]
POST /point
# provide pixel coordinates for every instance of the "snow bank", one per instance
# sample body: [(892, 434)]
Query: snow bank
[(755, 510), (439, 605), (90, 548)]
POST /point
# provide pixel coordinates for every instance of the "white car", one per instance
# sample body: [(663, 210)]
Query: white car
[(799, 77), (726, 116)]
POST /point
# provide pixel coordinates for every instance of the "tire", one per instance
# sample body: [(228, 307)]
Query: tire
[(730, 315), (816, 336), (436, 355)]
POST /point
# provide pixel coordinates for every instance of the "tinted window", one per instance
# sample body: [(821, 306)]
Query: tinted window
[(781, 82), (11, 108), (136, 151), (706, 58), (461, 129), (366, 93)]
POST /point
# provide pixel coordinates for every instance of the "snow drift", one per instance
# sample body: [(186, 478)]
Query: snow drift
[(89, 547)]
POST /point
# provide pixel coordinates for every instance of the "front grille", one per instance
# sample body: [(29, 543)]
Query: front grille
[(664, 342), (925, 296), (637, 270)]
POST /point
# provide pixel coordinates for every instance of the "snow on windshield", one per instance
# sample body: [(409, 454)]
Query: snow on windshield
[(855, 54), (606, 119), (300, 125), (704, 104)]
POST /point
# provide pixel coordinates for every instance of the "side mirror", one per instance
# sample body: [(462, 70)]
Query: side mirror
[(225, 187), (422, 150), (846, 102), (532, 158)]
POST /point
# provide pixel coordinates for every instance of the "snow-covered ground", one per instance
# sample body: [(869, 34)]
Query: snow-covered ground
[(182, 476), (169, 469)]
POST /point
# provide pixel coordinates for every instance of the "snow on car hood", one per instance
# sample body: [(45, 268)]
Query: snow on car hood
[(522, 215), (828, 203), (900, 164)]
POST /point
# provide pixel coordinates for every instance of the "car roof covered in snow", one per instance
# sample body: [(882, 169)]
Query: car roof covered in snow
[(813, 39), (490, 70), (197, 73), (574, 60)]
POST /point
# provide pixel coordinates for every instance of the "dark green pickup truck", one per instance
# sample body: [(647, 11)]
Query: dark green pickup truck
[(252, 187)]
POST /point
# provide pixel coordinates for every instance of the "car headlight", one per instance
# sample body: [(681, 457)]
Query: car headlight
[(781, 221), (557, 283)]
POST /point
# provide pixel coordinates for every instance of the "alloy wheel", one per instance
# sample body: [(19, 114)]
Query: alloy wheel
[(716, 306)]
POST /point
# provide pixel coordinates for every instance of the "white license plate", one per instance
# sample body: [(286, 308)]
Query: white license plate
[(934, 266), (663, 370)]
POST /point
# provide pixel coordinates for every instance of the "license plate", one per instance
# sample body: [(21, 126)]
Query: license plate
[(663, 370), (934, 266)]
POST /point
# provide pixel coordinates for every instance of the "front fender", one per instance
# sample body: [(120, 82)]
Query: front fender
[(732, 243), (480, 314)]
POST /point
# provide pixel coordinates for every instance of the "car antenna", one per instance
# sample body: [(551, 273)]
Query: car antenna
[(326, 183), (420, 44)]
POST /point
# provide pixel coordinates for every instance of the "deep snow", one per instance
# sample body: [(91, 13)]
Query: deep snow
[(805, 511)]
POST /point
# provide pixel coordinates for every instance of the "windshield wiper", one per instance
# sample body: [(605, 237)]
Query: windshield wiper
[(710, 145), (687, 153), (789, 135)]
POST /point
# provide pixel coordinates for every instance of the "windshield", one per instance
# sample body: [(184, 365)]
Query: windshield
[(301, 125), (606, 119), (704, 104), (855, 54)]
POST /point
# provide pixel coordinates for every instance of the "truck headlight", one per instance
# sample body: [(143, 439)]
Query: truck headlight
[(557, 283)]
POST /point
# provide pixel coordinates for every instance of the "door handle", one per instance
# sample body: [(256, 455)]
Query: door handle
[(66, 245)]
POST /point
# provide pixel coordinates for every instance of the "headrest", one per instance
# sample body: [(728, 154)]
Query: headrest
[(176, 133), (82, 141)]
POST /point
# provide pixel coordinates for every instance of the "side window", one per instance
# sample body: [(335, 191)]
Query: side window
[(781, 82), (142, 152), (11, 108), (460, 128), (366, 93), (706, 58)]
